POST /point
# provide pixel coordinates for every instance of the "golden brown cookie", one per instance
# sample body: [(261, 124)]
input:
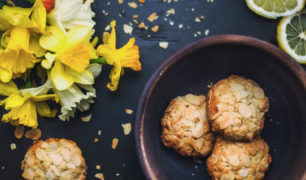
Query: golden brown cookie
[(185, 127), (236, 108), (239, 160), (54, 159)]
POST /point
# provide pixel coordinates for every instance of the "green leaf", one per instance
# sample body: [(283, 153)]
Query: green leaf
[(100, 60)]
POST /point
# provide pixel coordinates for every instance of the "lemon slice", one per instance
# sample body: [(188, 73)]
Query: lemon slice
[(291, 36), (275, 8)]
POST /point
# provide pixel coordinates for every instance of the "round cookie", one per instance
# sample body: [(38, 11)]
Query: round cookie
[(239, 160), (236, 107), (54, 159), (185, 127)]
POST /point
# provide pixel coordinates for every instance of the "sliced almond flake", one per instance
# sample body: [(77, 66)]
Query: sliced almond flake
[(129, 111), (99, 176), (206, 32), (96, 140), (99, 132), (33, 134), (127, 128), (128, 29), (197, 20), (155, 28), (133, 5), (120, 1), (107, 28), (86, 118), (98, 167), (135, 16), (170, 11), (163, 44), (115, 143), (13, 146), (153, 17), (19, 132)]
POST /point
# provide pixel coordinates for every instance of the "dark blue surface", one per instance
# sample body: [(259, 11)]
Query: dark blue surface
[(221, 17)]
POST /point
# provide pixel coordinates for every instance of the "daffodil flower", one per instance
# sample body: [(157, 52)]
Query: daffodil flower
[(125, 57), (23, 105), (18, 23), (71, 54), (67, 14)]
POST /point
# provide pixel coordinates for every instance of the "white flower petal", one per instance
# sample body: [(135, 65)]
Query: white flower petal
[(48, 62), (84, 77), (95, 69)]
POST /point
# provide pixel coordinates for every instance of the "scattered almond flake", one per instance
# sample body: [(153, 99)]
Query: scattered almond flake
[(192, 9), (99, 132), (96, 140), (199, 33), (19, 132), (155, 28), (153, 17), (149, 36), (163, 44), (135, 16), (142, 26), (167, 1), (210, 85), (99, 176), (98, 167), (141, 1), (108, 3), (135, 21), (86, 119), (129, 111), (117, 174), (127, 128), (33, 134), (107, 28), (170, 11), (115, 143), (201, 17), (171, 22), (195, 35), (120, 1), (197, 19), (133, 5), (127, 29), (180, 26), (13, 146), (206, 32)]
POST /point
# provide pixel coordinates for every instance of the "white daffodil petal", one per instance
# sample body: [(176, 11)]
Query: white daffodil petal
[(73, 98), (95, 69), (38, 90)]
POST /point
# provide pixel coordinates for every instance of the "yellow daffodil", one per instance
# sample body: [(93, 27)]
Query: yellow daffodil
[(23, 105), (72, 54), (125, 57), (18, 23)]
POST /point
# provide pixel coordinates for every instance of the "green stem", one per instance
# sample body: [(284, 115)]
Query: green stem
[(29, 82), (100, 60)]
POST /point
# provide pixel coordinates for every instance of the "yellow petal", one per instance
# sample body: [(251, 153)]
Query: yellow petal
[(53, 39), (114, 76), (24, 115), (5, 38), (14, 16), (39, 16), (76, 57), (45, 97), (6, 89), (78, 34), (95, 41), (105, 37), (5, 76), (35, 47), (48, 62), (85, 77), (15, 100), (129, 56), (20, 38), (61, 80), (112, 37), (44, 110)]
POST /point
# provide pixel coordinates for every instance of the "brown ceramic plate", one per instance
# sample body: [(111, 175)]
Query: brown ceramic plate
[(206, 61)]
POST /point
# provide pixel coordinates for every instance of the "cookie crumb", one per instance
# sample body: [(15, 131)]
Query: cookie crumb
[(115, 143), (99, 176), (127, 128), (96, 140), (163, 44), (98, 167), (86, 118), (13, 146), (129, 111)]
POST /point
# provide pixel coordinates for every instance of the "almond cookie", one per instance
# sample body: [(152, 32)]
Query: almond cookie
[(239, 160), (54, 159), (185, 127), (236, 108)]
